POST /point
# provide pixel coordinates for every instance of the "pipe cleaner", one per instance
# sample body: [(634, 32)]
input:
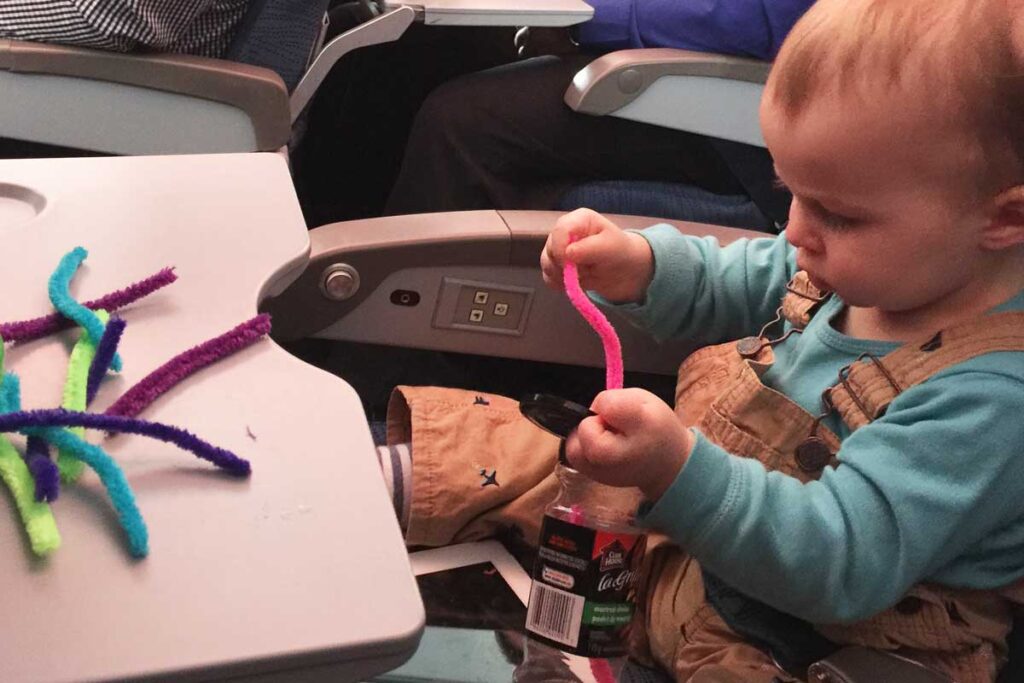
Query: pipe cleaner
[(60, 297), (161, 380), (37, 328), (59, 417), (112, 477), (44, 471), (600, 668), (34, 480), (75, 395), (85, 359), (36, 516), (45, 422), (597, 320), (103, 357), (37, 453)]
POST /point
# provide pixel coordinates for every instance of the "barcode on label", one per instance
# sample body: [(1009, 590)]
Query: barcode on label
[(555, 614)]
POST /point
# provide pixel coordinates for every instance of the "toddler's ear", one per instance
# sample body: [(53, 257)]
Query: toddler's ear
[(1006, 227)]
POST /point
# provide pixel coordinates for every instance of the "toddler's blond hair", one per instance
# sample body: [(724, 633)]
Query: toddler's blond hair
[(967, 53)]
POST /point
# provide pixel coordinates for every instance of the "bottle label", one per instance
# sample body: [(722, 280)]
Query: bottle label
[(584, 580)]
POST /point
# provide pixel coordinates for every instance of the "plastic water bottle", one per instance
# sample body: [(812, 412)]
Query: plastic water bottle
[(584, 583)]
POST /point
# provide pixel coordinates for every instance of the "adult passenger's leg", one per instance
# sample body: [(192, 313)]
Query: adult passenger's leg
[(359, 121), (504, 138)]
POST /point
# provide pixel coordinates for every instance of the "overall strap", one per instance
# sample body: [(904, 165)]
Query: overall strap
[(801, 301), (869, 385)]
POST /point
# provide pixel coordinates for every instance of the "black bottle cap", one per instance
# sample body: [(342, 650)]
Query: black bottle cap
[(553, 414)]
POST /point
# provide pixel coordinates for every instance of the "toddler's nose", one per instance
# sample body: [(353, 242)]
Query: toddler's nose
[(800, 230)]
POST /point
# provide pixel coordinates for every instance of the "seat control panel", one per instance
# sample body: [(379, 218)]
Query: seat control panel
[(482, 306)]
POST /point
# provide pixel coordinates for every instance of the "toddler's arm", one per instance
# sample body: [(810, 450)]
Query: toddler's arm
[(709, 293), (931, 490), (671, 284)]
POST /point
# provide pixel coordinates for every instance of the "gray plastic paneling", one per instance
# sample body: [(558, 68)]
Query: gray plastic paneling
[(117, 118), (721, 108), (553, 331), (417, 252), (383, 29)]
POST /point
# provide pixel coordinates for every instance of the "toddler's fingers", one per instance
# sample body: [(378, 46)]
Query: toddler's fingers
[(599, 248), (551, 272), (621, 410), (599, 446)]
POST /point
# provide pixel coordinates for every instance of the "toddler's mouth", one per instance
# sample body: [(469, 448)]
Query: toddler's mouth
[(815, 279), (822, 285)]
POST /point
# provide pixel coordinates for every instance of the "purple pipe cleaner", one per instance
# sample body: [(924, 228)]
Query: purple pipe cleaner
[(27, 330), (44, 470), (161, 380), (58, 417), (105, 351)]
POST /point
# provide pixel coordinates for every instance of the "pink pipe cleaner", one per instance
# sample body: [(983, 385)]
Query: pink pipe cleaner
[(597, 320), (37, 328), (600, 668)]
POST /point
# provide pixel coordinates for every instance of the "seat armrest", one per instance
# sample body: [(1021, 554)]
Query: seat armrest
[(867, 665), (695, 91), (399, 281)]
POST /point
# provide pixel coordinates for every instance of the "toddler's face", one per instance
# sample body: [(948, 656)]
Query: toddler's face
[(882, 213)]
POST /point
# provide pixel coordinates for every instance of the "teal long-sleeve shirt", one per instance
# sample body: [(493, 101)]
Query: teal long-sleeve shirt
[(933, 490)]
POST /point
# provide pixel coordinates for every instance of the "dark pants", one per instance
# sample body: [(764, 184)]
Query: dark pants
[(503, 138), (357, 125)]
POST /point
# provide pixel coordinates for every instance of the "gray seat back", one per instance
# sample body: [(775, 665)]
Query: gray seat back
[(279, 35)]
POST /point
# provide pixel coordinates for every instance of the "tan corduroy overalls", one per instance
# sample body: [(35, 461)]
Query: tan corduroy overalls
[(478, 467)]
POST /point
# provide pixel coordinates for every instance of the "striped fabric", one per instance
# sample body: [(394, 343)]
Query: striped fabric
[(396, 465), (199, 27)]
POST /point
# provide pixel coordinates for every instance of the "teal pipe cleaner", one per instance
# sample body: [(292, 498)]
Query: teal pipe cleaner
[(60, 297), (112, 476), (110, 473)]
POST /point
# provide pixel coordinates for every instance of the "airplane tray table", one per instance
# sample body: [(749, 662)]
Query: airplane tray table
[(297, 573)]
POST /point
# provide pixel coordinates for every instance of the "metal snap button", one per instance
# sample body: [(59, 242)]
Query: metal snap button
[(748, 347), (813, 455)]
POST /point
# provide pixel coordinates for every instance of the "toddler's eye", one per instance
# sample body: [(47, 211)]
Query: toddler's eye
[(836, 222), (830, 219)]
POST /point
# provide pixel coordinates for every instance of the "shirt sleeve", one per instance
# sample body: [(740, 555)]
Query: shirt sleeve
[(115, 25), (749, 28), (930, 491), (708, 293)]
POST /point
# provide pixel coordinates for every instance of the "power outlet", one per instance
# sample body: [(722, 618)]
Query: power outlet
[(483, 306)]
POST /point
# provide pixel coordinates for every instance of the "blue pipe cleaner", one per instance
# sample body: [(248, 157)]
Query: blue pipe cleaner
[(60, 297), (37, 453), (43, 469), (59, 417), (104, 356)]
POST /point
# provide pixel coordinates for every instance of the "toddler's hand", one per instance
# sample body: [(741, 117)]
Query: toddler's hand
[(616, 264), (634, 440)]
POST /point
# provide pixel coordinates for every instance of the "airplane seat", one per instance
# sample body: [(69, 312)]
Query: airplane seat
[(280, 35), (137, 103), (678, 201), (698, 92), (411, 282)]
